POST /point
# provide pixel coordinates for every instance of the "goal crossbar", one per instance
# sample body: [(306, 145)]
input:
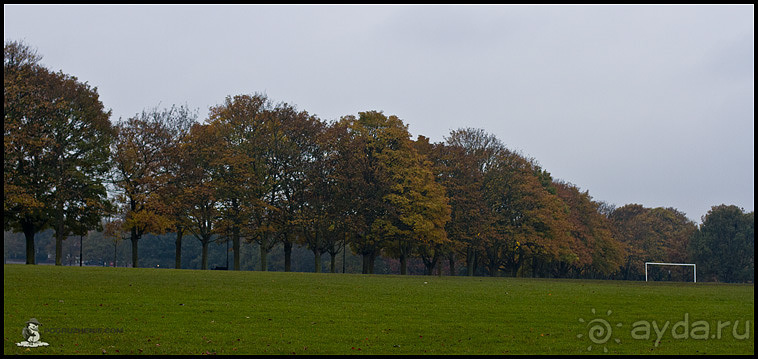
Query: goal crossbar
[(694, 277)]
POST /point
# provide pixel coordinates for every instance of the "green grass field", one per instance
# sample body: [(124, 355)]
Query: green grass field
[(164, 311)]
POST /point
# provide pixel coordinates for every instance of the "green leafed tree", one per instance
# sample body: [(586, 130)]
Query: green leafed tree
[(173, 193), (79, 157), (317, 214), (57, 138), (724, 246)]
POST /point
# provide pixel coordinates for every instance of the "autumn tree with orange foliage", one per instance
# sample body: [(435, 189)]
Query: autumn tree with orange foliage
[(418, 208), (651, 235), (530, 224), (596, 252), (239, 182), (464, 158), (139, 174)]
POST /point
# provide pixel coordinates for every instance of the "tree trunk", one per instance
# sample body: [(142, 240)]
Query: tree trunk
[(81, 249), (429, 263), (365, 264), (317, 261), (264, 252), (516, 266), (59, 234), (451, 259), (403, 265), (287, 256), (58, 249), (372, 258), (204, 258), (236, 234), (179, 234), (333, 260), (470, 260), (134, 239), (432, 264), (29, 235), (493, 267), (236, 248), (520, 261)]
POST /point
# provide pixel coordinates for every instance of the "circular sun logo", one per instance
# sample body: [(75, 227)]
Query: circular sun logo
[(599, 331)]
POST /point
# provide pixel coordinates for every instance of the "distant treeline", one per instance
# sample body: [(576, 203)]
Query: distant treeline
[(256, 172)]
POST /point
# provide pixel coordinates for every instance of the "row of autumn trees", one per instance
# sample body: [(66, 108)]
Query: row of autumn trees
[(270, 174)]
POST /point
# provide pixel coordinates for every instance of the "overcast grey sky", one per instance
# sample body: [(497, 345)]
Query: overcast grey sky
[(637, 104)]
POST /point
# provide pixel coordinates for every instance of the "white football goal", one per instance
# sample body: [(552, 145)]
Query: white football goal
[(694, 268)]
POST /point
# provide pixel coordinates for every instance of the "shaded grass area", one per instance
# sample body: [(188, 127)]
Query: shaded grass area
[(168, 311)]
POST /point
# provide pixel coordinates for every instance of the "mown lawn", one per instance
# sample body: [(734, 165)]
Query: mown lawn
[(165, 311)]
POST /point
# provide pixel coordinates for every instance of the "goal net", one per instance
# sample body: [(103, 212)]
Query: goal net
[(694, 268)]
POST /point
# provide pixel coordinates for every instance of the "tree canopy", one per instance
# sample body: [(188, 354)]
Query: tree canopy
[(56, 141), (256, 171)]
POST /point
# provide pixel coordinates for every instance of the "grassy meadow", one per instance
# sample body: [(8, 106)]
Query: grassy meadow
[(96, 310)]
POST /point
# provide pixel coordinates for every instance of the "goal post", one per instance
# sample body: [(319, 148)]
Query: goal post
[(694, 268)]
